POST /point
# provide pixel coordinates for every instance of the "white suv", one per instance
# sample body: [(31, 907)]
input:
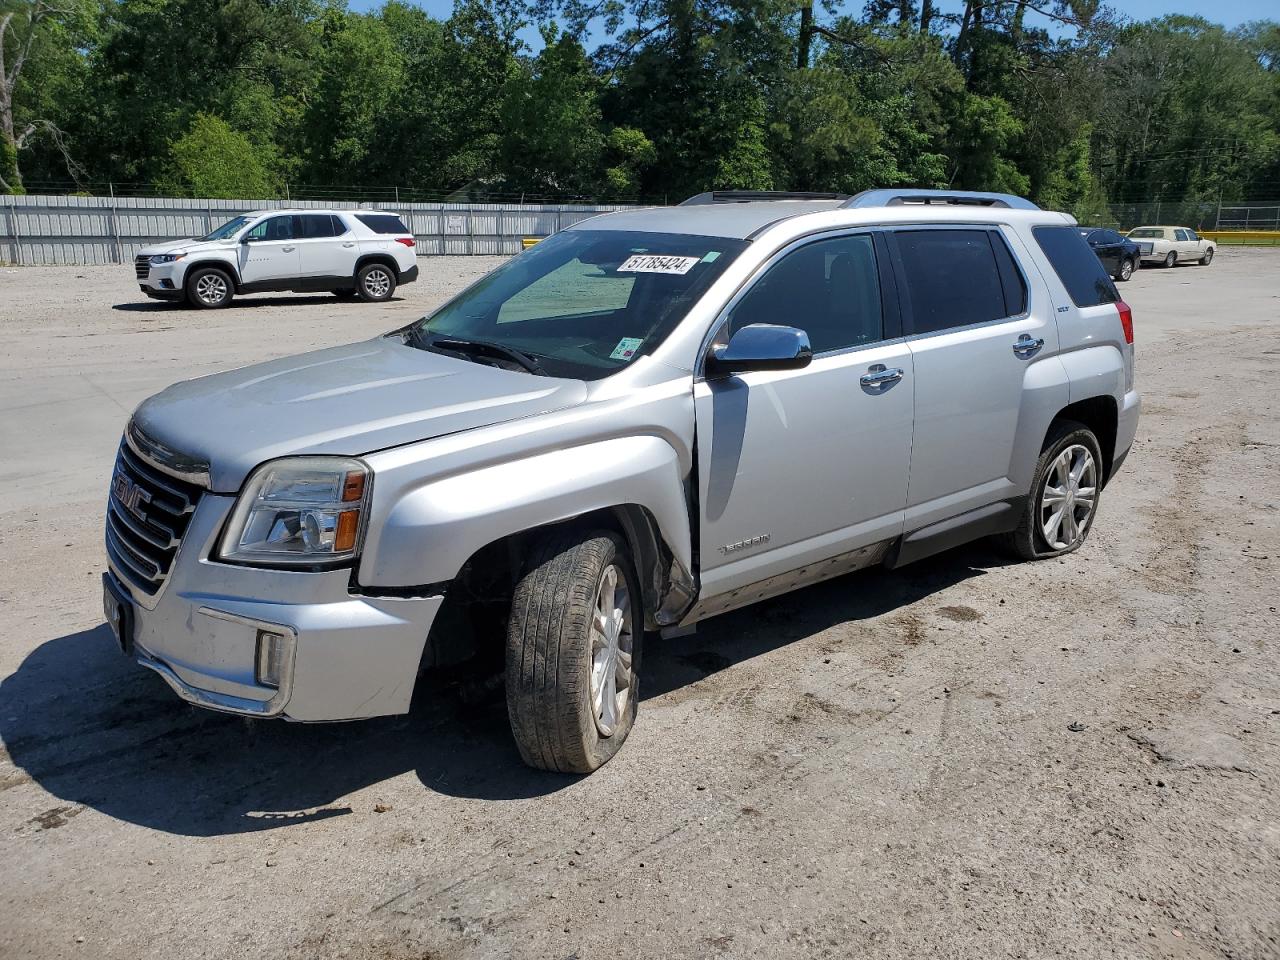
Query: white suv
[(350, 252)]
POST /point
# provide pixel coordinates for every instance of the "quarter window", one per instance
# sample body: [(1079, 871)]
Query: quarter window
[(1080, 271), (958, 277), (830, 289)]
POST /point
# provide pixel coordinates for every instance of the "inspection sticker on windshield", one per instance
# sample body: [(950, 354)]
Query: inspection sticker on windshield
[(656, 263), (626, 348)]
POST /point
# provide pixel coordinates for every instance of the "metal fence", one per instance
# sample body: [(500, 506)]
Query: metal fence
[(38, 230)]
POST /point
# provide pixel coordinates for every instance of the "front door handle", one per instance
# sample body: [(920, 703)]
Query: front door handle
[(1026, 345), (288, 249), (880, 376), (348, 244)]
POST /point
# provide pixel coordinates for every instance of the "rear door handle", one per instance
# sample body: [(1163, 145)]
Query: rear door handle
[(879, 376), (1026, 345)]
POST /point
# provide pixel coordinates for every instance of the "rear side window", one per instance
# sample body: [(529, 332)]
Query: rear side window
[(382, 222), (315, 225), (1078, 267), (956, 277)]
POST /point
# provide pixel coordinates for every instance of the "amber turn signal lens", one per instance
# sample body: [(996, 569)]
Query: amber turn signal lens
[(348, 524), (353, 487)]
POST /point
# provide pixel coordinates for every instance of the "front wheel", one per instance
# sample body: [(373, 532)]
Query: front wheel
[(573, 651), (1207, 258), (1064, 494), (1170, 259), (1126, 269), (209, 288), (375, 282)]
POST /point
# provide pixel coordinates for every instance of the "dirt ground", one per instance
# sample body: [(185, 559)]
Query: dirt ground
[(966, 758)]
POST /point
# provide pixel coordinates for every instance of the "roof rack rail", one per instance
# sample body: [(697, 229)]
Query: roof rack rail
[(750, 196), (959, 198)]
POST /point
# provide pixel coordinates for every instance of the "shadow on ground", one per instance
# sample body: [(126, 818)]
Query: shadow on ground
[(92, 728), (169, 306)]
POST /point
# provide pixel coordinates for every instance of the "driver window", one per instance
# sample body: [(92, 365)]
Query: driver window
[(830, 289), (1192, 235), (273, 228)]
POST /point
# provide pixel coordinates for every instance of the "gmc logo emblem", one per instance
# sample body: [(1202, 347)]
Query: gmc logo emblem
[(129, 495)]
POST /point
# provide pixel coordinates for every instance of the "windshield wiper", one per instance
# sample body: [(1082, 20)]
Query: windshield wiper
[(481, 347)]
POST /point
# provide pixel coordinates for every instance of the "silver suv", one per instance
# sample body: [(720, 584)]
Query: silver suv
[(648, 419), (364, 253)]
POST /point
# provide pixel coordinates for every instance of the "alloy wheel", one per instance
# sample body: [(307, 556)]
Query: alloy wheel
[(1069, 497), (611, 651), (211, 289), (377, 283)]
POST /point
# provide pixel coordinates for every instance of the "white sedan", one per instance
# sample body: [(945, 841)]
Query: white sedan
[(1170, 246)]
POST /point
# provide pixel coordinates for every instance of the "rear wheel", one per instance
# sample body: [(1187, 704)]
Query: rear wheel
[(209, 288), (1059, 512), (375, 282), (1170, 259), (1207, 258), (1126, 269), (573, 652)]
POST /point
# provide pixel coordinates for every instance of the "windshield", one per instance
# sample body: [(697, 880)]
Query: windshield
[(583, 303), (1147, 232), (228, 229)]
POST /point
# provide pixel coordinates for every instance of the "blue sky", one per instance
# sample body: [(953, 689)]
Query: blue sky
[(1230, 13)]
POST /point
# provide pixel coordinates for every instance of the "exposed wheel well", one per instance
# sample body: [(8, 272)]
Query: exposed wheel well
[(472, 621), (1101, 416), (385, 259), (222, 265)]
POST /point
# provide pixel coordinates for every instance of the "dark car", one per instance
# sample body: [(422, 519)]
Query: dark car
[(1119, 255)]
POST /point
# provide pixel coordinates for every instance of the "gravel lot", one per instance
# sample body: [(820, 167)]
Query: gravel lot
[(885, 765)]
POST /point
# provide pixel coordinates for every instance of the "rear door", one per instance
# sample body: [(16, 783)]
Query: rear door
[(326, 247), (975, 337), (799, 466)]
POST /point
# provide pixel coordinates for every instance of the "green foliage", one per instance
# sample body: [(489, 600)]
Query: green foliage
[(213, 160), (678, 96)]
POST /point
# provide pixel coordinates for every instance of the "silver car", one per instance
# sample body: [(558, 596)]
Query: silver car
[(651, 418)]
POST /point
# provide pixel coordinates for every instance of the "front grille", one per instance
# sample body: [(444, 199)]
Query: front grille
[(142, 267), (147, 515)]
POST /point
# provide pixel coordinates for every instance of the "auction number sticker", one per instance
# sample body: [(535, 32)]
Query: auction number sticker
[(657, 263)]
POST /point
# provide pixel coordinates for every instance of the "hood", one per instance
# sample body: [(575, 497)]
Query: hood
[(169, 246), (345, 401)]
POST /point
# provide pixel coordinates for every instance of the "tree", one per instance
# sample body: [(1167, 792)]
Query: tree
[(29, 31), (213, 160)]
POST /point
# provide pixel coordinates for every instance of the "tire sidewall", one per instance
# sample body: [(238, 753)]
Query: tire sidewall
[(1126, 269), (1071, 435), (1208, 257), (597, 748), (1170, 259), (195, 301)]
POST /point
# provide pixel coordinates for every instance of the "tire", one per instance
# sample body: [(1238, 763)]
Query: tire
[(375, 282), (1207, 258), (559, 660), (1170, 259), (1067, 441), (345, 294), (1126, 269), (209, 288)]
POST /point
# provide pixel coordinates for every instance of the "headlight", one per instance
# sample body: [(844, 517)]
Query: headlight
[(167, 257), (299, 511)]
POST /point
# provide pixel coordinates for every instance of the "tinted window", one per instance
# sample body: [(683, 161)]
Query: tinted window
[(382, 222), (313, 226), (339, 228), (1011, 281), (1110, 236), (273, 228), (1079, 270), (953, 278), (829, 289)]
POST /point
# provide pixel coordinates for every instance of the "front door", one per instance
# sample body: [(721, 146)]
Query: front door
[(269, 253), (796, 467), (973, 338)]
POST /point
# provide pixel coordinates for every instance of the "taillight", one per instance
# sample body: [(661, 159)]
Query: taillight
[(1126, 320), (407, 241)]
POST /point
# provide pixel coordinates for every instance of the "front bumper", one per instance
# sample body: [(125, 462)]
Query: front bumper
[(162, 281), (345, 656)]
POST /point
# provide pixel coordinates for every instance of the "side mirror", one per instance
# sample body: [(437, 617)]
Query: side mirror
[(760, 346), (245, 238)]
